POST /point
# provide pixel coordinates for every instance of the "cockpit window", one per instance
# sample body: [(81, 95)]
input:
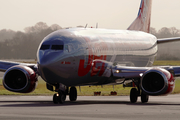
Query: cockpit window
[(45, 47), (57, 47)]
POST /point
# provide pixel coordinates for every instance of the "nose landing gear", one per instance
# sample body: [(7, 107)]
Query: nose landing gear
[(60, 97)]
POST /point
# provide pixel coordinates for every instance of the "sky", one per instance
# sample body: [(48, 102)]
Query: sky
[(110, 14)]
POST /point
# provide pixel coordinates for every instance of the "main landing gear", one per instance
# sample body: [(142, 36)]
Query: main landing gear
[(73, 94), (60, 97), (135, 93)]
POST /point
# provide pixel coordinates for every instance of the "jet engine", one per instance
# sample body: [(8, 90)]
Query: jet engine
[(157, 81), (20, 79)]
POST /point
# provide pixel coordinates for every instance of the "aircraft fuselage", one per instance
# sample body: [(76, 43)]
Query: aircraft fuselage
[(83, 56)]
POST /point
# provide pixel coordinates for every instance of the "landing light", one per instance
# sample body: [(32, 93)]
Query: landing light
[(141, 74), (57, 94), (117, 71)]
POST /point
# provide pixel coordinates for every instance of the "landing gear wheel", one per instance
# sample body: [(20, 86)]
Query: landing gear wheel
[(62, 98), (144, 98), (133, 95), (55, 99), (73, 94), (59, 98)]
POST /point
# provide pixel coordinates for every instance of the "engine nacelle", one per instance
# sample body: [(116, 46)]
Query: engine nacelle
[(20, 79), (157, 81)]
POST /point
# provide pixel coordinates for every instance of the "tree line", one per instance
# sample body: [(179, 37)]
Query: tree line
[(167, 51), (24, 45)]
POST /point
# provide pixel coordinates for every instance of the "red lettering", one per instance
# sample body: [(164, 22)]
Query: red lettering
[(95, 68), (98, 66), (83, 71), (102, 69), (64, 62)]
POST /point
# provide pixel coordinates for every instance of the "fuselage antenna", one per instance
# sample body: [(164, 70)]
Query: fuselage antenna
[(86, 26), (96, 25)]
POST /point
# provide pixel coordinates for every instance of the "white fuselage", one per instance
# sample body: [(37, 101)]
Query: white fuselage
[(81, 56)]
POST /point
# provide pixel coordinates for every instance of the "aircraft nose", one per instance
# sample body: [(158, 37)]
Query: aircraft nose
[(43, 62), (43, 58), (49, 64), (48, 57)]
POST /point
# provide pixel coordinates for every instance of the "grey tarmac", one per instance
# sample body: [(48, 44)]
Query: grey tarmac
[(89, 108)]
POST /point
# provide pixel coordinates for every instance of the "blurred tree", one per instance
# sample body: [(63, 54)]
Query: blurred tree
[(174, 32), (6, 34), (153, 31), (55, 27), (36, 28)]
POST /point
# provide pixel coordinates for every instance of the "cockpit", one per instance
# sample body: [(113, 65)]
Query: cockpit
[(52, 47), (55, 44), (66, 48)]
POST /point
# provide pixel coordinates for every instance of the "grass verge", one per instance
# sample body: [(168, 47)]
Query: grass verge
[(84, 90), (166, 62)]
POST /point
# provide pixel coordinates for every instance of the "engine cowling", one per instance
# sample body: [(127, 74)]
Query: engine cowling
[(157, 81), (21, 79)]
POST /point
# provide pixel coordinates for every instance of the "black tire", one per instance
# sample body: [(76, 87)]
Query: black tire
[(133, 95), (55, 99), (144, 98), (73, 94), (62, 98)]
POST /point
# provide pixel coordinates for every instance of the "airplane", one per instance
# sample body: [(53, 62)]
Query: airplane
[(92, 56)]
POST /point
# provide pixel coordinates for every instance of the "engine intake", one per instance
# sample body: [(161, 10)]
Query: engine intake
[(157, 81), (20, 79)]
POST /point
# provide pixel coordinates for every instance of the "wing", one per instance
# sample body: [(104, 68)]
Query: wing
[(138, 72), (165, 40), (4, 65), (152, 80)]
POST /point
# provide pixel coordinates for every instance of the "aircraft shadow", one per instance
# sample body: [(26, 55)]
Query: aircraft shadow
[(78, 102)]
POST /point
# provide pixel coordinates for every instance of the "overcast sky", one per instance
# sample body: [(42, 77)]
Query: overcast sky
[(111, 14)]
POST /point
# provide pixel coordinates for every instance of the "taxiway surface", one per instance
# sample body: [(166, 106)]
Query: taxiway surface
[(89, 108)]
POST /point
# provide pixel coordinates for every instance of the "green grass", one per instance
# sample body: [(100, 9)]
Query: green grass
[(177, 86), (84, 90), (89, 90), (164, 63), (105, 90)]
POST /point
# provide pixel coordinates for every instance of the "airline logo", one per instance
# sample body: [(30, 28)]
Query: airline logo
[(93, 66)]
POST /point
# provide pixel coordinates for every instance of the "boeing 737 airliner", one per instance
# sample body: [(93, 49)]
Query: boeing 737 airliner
[(91, 56)]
